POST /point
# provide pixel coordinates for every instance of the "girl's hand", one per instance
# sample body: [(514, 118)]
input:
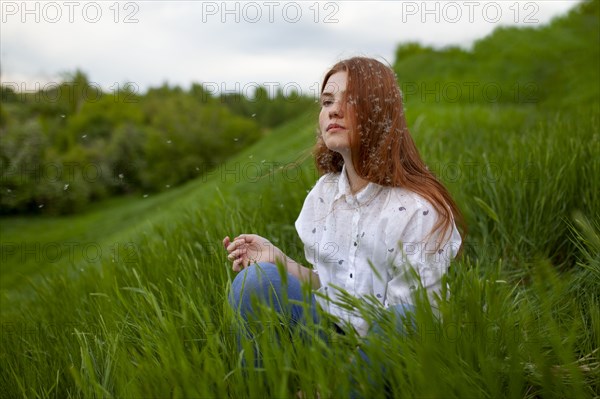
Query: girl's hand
[(250, 248)]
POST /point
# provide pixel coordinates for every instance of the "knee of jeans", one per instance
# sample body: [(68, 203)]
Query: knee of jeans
[(402, 312), (256, 279), (398, 314)]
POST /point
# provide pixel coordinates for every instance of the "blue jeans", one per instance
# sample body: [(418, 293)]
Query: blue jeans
[(263, 283), (375, 340)]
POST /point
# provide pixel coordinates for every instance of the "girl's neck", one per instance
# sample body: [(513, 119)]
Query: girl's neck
[(357, 183)]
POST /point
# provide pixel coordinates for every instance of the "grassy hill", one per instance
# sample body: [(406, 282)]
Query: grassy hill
[(138, 308), (33, 245), (150, 319)]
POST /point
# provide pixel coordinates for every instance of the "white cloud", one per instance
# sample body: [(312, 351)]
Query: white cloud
[(184, 41)]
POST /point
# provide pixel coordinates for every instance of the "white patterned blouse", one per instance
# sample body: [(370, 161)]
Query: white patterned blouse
[(366, 244)]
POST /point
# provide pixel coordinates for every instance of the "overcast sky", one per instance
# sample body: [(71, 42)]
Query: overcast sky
[(233, 45)]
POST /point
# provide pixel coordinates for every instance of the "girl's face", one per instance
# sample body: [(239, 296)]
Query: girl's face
[(334, 121)]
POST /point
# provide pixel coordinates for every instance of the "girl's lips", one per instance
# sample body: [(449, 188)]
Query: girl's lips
[(334, 126)]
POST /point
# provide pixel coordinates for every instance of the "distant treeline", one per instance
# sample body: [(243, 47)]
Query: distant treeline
[(70, 143), (65, 146), (554, 65)]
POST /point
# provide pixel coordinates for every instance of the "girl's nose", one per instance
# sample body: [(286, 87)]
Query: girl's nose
[(336, 110)]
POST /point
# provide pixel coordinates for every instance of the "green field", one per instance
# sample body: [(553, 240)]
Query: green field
[(148, 317)]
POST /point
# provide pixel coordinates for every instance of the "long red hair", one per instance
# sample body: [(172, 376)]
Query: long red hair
[(382, 148)]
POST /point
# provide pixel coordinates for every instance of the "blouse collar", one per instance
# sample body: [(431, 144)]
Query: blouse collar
[(362, 197)]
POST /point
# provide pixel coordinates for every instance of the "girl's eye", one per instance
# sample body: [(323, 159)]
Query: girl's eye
[(326, 103)]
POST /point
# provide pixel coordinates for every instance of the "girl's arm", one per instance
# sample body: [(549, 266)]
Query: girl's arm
[(302, 273), (251, 248)]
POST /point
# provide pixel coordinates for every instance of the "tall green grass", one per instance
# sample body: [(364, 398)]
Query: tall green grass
[(520, 317)]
